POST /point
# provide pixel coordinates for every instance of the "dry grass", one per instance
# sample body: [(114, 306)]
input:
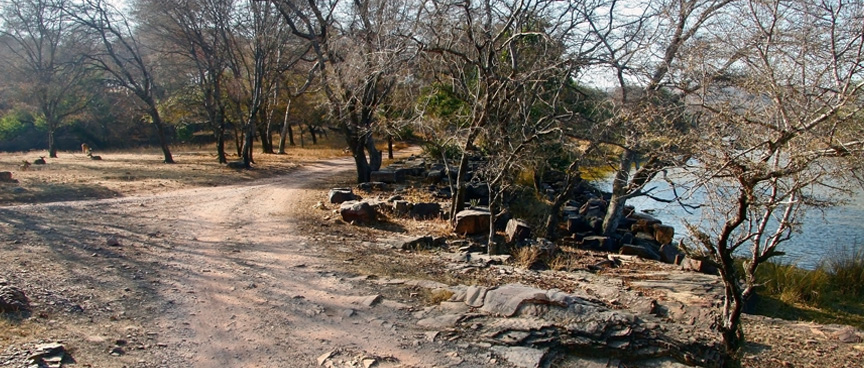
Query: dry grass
[(526, 257)]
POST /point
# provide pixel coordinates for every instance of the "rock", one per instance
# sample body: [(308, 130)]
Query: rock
[(846, 335), (371, 301), (423, 242), (578, 224), (13, 300), (425, 211), (340, 195), (112, 241), (506, 300), (401, 208), (690, 264), (517, 230), (663, 234), (595, 242), (49, 355), (640, 251), (669, 253), (475, 295), (472, 222), (594, 207), (521, 356), (387, 176), (323, 357), (434, 176), (477, 191), (372, 185), (360, 212), (369, 362)]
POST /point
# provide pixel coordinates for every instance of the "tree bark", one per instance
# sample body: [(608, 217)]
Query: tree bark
[(615, 209), (286, 129), (52, 146), (390, 146), (160, 133)]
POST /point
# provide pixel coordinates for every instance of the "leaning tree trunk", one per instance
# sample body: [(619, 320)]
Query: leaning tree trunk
[(160, 133), (375, 156), (458, 203), (286, 129), (615, 209), (733, 306)]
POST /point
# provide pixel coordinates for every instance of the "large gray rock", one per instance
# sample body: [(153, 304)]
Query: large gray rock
[(387, 176), (12, 300), (506, 300), (639, 251), (341, 195), (521, 356), (359, 212), (472, 222), (517, 230)]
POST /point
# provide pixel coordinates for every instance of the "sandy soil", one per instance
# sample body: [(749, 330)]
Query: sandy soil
[(158, 265)]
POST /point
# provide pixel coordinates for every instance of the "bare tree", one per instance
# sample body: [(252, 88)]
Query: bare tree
[(781, 131), (123, 58), (359, 48), (44, 49)]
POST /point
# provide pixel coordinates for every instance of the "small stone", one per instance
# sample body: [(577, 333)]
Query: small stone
[(323, 357), (369, 362), (117, 351), (112, 242), (371, 301)]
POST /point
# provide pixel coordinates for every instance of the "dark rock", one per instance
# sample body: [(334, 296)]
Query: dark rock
[(595, 242), (477, 191), (360, 212), (472, 222), (434, 176), (568, 211), (401, 208), (372, 185), (578, 224), (340, 195), (387, 176), (639, 251), (669, 253), (426, 210), (13, 300), (423, 242), (6, 177), (517, 230), (595, 207), (521, 356)]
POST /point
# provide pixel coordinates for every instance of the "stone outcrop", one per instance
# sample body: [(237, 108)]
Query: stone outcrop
[(471, 222), (12, 299), (340, 195)]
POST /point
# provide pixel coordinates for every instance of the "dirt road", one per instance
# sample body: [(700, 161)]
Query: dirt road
[(205, 277)]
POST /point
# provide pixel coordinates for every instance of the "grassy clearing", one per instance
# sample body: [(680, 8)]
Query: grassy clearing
[(831, 293)]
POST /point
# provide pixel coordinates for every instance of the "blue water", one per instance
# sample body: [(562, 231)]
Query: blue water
[(836, 229)]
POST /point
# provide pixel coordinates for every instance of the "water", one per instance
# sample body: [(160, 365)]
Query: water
[(823, 232)]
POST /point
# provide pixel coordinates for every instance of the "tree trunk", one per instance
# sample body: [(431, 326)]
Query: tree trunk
[(615, 209), (286, 129), (220, 147), (390, 146), (733, 305), (266, 139), (552, 220), (160, 132), (458, 203), (52, 146), (364, 172), (375, 156), (312, 134)]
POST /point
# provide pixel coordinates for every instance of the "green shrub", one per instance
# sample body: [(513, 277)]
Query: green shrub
[(792, 284), (845, 270)]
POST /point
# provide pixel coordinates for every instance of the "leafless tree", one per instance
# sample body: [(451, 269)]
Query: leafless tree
[(44, 50), (123, 58), (359, 49), (780, 131)]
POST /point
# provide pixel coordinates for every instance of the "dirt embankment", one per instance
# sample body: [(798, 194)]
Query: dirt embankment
[(194, 264)]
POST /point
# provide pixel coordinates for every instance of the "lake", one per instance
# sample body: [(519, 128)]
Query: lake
[(823, 232)]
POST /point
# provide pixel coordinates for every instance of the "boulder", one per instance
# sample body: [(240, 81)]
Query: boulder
[(595, 207), (340, 195), (578, 224), (478, 191), (387, 176), (401, 208), (12, 300), (521, 356), (423, 242), (434, 176), (506, 300), (690, 264), (372, 185), (669, 253), (360, 212), (472, 222), (517, 230), (595, 242), (426, 210), (639, 251), (663, 234)]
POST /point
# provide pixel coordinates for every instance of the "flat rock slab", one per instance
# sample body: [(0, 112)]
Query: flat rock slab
[(475, 295), (441, 322), (506, 300), (521, 356)]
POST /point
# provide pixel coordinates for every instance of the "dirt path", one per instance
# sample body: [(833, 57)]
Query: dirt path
[(206, 277)]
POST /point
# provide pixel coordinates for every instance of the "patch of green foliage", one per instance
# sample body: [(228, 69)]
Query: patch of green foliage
[(16, 122), (833, 292)]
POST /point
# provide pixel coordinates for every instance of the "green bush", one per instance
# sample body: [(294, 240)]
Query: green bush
[(15, 122)]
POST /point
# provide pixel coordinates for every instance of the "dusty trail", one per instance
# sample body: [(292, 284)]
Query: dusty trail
[(208, 277)]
